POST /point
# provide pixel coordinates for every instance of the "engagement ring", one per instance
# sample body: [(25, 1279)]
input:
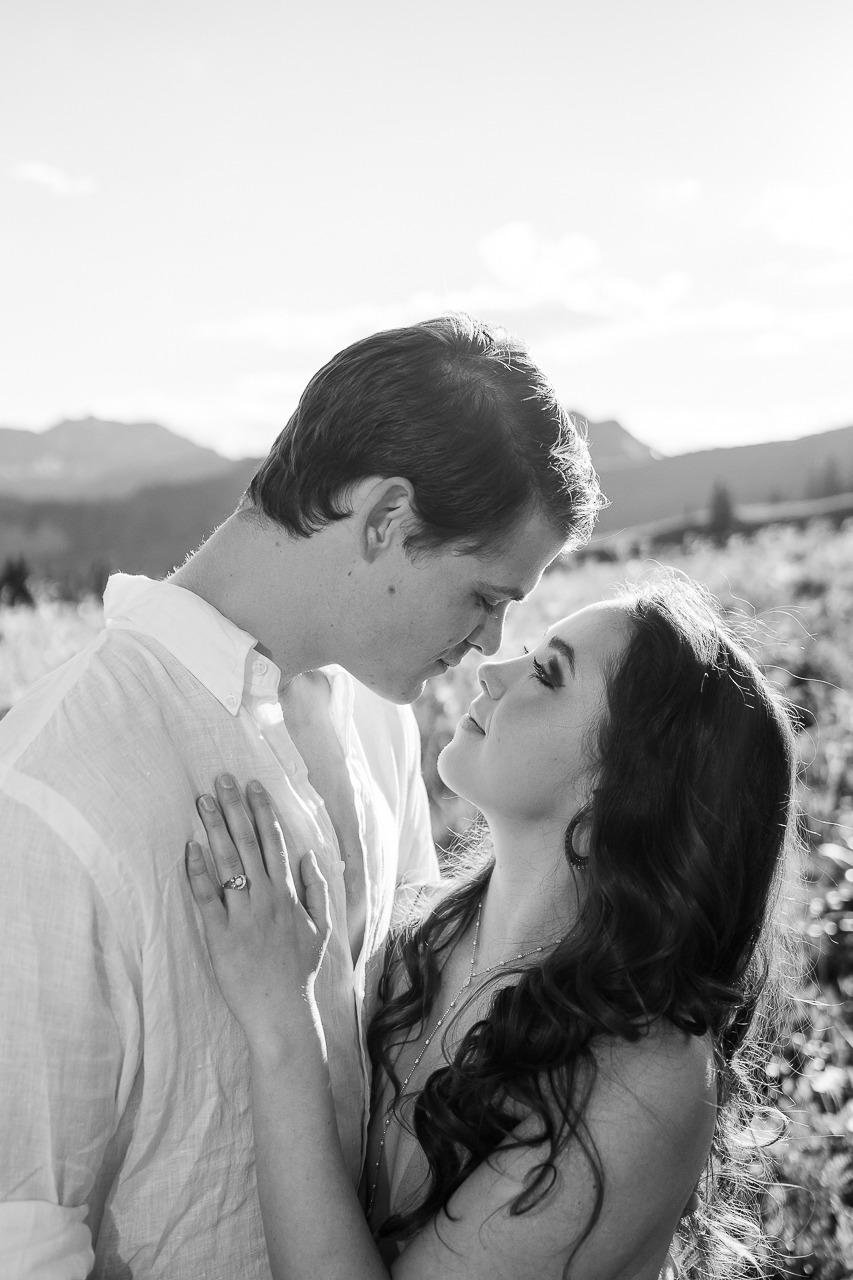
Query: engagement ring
[(236, 882)]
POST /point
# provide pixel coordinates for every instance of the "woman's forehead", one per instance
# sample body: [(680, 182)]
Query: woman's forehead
[(602, 626)]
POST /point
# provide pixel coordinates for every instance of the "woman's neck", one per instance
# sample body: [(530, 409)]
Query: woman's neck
[(531, 899)]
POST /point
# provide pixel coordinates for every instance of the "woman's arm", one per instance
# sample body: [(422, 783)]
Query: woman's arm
[(313, 1221), (650, 1115), (266, 950)]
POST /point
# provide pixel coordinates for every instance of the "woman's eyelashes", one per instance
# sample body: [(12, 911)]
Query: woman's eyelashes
[(549, 675)]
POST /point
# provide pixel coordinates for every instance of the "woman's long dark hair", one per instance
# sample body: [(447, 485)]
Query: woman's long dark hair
[(690, 818)]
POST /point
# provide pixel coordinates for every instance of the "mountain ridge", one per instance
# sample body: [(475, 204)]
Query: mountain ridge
[(810, 466), (150, 526), (95, 459)]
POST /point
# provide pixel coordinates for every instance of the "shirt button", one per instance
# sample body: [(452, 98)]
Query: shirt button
[(231, 700), (290, 767), (259, 666)]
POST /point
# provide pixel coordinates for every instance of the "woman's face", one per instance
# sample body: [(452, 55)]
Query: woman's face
[(522, 752)]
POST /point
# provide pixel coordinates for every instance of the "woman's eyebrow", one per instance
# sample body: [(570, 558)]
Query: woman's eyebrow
[(563, 647)]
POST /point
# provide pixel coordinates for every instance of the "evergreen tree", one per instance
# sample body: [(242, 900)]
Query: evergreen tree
[(13, 583), (721, 516), (826, 481)]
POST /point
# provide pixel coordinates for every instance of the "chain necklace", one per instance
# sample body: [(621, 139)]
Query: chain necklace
[(389, 1113)]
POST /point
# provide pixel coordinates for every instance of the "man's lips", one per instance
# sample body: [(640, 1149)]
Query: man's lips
[(453, 660)]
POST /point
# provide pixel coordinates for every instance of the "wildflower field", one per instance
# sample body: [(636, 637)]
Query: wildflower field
[(796, 588), (794, 591)]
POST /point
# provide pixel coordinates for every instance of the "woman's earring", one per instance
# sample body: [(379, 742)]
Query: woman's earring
[(576, 860)]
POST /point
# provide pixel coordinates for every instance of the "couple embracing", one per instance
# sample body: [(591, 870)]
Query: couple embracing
[(248, 1029)]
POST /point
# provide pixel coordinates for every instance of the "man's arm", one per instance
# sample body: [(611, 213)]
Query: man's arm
[(70, 1032), (44, 1240)]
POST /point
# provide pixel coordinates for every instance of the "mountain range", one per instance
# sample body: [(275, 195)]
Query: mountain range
[(88, 496), (656, 488), (90, 459)]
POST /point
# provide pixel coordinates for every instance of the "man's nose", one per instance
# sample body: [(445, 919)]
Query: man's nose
[(489, 636)]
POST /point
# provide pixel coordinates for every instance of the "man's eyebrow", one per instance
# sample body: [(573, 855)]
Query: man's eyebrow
[(563, 647)]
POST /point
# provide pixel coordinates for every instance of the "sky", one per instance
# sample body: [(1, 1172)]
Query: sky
[(200, 202)]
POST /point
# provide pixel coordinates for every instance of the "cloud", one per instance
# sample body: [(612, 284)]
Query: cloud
[(561, 295), (807, 217), (529, 276), (533, 271), (679, 191), (528, 265), (840, 271), (46, 175), (749, 328), (240, 418), (283, 329), (685, 426), (774, 331)]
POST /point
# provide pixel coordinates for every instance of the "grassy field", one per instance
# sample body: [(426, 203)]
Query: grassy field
[(796, 586)]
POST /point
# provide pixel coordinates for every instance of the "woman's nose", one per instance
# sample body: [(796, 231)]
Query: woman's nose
[(491, 680)]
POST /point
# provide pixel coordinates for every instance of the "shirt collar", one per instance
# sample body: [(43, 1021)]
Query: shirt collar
[(209, 645)]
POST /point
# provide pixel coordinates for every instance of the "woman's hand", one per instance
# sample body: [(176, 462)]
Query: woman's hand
[(265, 947)]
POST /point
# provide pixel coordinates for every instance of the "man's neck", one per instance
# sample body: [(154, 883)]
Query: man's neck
[(266, 583)]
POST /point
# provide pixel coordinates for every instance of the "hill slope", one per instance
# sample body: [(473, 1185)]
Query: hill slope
[(812, 466), (148, 532), (151, 529), (91, 460)]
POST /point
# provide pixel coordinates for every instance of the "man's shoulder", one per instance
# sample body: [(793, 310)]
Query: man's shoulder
[(46, 698), (90, 697)]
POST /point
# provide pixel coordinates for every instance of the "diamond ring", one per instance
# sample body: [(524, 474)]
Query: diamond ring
[(236, 882)]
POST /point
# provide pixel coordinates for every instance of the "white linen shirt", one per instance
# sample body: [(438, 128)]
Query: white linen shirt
[(125, 1127)]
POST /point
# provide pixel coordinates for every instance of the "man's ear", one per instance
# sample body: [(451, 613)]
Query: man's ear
[(384, 513)]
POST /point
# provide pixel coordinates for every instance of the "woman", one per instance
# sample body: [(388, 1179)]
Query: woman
[(565, 1036)]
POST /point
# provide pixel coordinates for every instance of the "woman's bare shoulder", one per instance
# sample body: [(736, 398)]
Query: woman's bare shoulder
[(661, 1053), (658, 1091), (647, 1125), (665, 1069)]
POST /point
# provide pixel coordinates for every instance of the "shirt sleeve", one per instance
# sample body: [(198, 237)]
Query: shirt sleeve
[(69, 1048), (40, 1241)]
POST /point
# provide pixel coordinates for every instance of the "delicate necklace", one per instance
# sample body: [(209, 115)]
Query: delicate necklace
[(389, 1113)]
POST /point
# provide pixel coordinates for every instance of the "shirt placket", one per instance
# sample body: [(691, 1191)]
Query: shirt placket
[(267, 715), (342, 720)]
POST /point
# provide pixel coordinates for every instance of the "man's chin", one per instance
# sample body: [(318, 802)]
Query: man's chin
[(401, 693), (403, 696)]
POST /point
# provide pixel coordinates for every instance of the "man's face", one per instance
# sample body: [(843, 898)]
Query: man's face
[(434, 608)]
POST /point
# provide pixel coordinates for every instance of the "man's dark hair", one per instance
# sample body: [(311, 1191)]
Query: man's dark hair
[(456, 407)]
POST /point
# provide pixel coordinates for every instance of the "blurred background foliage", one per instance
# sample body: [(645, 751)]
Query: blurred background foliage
[(793, 589)]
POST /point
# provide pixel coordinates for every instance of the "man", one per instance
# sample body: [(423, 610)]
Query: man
[(426, 479)]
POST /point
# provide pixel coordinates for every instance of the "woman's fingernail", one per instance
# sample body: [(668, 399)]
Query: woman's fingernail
[(254, 785), (226, 780), (207, 802)]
